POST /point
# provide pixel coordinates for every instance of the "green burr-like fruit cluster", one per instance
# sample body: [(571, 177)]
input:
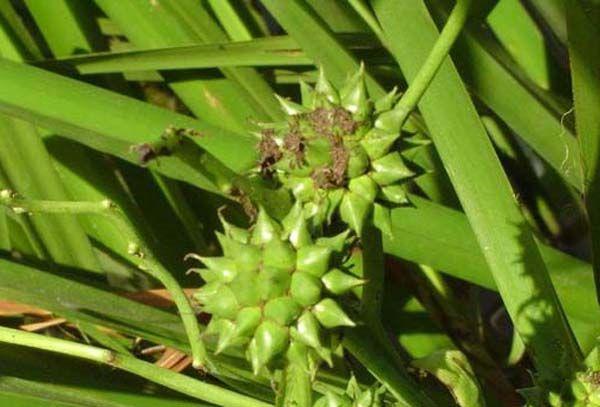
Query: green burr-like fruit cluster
[(273, 288), (335, 152), (584, 390)]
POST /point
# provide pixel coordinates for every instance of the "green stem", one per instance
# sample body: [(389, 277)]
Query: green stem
[(140, 253), (178, 382), (369, 343), (436, 57), (367, 15)]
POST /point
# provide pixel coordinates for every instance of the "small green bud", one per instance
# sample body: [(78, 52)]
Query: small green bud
[(282, 310), (389, 169), (225, 269), (358, 162), (299, 235), (387, 101), (354, 210), (302, 188), (395, 194), (324, 90), (378, 143), (364, 186), (207, 292), (246, 288), (232, 231), (270, 340), (247, 320), (223, 303), (273, 282), (338, 282), (313, 259), (308, 330), (389, 121), (280, 254), (354, 96), (305, 288), (265, 228), (307, 94), (330, 314), (290, 107), (226, 335), (335, 243)]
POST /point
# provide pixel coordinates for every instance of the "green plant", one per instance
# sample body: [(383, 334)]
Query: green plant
[(320, 184)]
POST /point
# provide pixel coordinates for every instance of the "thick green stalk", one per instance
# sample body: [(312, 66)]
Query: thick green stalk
[(178, 382), (437, 55), (137, 249), (486, 195)]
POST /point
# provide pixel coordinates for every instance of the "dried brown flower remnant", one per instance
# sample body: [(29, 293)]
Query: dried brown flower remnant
[(334, 175), (269, 152), (330, 122), (294, 143)]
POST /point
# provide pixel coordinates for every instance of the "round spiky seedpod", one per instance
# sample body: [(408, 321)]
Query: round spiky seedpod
[(584, 390), (273, 291), (335, 151)]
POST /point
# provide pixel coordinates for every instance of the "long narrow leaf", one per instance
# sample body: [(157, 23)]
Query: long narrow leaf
[(484, 192)]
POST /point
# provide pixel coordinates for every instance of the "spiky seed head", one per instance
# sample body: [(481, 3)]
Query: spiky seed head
[(335, 147), (271, 289)]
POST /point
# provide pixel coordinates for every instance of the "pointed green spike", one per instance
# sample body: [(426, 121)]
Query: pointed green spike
[(226, 336), (389, 169), (335, 243), (353, 389), (303, 188), (234, 232), (377, 143), (354, 95), (247, 321), (308, 330), (330, 314), (271, 340), (313, 259), (387, 101), (290, 107), (247, 257), (208, 275), (395, 194), (334, 198), (265, 228), (364, 186), (365, 399), (382, 219), (338, 282), (307, 94), (389, 121), (358, 161), (324, 88), (223, 304), (280, 254), (305, 288), (334, 400), (207, 292), (299, 235), (246, 288), (354, 210), (283, 310), (289, 221), (214, 327), (273, 282), (224, 267)]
